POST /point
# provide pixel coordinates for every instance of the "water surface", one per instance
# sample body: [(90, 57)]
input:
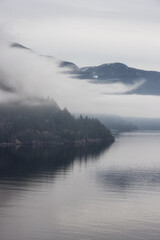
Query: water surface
[(82, 193)]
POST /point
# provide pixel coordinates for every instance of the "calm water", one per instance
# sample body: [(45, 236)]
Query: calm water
[(93, 193)]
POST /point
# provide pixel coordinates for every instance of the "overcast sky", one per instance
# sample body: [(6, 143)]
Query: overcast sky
[(87, 32)]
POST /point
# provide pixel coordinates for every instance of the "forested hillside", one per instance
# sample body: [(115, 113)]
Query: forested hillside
[(45, 123)]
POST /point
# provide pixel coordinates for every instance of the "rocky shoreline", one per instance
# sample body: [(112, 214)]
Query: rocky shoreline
[(81, 142)]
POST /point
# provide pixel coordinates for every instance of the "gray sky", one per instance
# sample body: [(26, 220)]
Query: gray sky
[(87, 32)]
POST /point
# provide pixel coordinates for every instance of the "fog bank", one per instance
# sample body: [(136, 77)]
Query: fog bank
[(25, 74)]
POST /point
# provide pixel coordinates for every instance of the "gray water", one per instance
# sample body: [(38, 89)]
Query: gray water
[(93, 193)]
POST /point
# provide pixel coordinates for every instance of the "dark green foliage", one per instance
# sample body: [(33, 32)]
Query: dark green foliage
[(47, 123)]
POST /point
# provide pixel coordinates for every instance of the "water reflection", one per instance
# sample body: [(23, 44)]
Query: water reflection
[(128, 179), (82, 193), (24, 161)]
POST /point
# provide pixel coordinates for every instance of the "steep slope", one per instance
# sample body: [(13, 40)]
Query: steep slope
[(112, 73), (44, 123)]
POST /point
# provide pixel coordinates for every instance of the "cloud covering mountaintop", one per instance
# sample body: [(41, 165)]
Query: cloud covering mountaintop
[(26, 74)]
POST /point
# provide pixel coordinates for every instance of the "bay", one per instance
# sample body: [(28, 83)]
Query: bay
[(95, 192)]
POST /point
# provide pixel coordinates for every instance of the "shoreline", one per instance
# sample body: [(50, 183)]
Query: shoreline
[(82, 142)]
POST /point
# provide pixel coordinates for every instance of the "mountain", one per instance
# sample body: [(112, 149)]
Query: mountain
[(17, 45), (120, 73), (115, 123), (113, 73), (42, 122)]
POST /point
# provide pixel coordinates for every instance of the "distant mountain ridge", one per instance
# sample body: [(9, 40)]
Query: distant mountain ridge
[(119, 72), (113, 73)]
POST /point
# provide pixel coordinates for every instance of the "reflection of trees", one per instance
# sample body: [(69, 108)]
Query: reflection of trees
[(28, 160)]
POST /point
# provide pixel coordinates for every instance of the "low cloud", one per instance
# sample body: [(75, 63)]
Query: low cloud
[(25, 74)]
